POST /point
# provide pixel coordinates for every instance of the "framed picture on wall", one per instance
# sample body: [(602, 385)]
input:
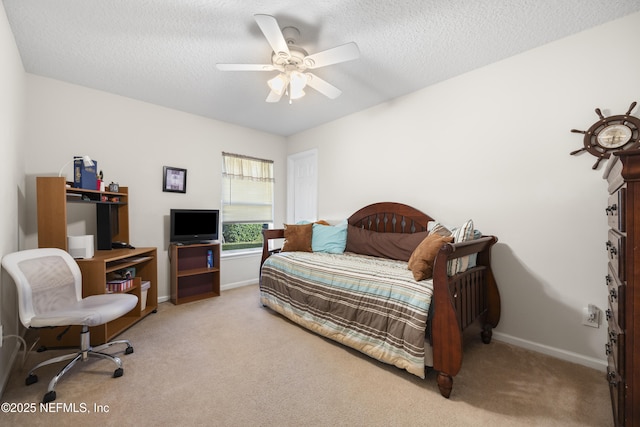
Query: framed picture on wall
[(174, 180)]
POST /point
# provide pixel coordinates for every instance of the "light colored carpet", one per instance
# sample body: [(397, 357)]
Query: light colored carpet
[(228, 361)]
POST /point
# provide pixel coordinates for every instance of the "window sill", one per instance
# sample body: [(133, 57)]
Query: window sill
[(242, 253)]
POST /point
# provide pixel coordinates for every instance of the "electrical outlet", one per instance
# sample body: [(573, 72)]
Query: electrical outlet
[(591, 316)]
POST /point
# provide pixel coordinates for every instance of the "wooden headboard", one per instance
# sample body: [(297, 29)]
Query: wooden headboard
[(383, 217), (390, 217)]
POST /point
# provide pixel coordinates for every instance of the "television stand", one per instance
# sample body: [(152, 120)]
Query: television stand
[(191, 278)]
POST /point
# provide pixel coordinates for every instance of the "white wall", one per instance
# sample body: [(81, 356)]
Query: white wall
[(12, 189), (493, 145), (132, 141)]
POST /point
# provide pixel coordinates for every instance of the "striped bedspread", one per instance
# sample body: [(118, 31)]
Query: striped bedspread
[(367, 303)]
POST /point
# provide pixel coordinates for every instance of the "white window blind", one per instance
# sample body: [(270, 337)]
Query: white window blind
[(247, 193)]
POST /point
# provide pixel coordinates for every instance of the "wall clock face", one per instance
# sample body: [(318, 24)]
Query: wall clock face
[(610, 134), (614, 136)]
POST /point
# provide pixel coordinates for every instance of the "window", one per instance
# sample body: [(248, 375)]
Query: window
[(247, 200)]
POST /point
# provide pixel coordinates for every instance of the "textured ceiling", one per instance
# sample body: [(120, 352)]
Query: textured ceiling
[(164, 51)]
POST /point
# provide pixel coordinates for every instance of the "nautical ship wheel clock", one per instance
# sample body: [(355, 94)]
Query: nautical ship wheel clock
[(610, 135)]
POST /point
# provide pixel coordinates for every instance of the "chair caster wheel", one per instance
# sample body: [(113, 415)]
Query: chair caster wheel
[(49, 397), (129, 350), (118, 373), (31, 379)]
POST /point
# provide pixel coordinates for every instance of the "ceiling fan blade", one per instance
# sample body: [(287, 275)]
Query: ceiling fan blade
[(273, 34), (273, 97), (245, 67), (342, 53), (327, 89)]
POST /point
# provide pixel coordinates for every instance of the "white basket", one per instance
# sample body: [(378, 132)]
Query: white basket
[(143, 294)]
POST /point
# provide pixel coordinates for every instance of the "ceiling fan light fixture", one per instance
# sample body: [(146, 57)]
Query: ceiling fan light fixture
[(298, 81), (279, 83), (296, 94)]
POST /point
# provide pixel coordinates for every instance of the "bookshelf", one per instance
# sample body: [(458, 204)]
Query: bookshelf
[(53, 195), (191, 278)]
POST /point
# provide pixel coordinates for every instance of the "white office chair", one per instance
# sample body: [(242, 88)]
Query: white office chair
[(49, 284)]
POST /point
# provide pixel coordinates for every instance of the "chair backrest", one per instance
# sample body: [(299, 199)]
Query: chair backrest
[(47, 279)]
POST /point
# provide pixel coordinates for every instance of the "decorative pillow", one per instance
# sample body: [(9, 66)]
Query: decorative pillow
[(329, 238), (297, 237), (473, 258), (421, 261), (440, 229), (462, 234), (398, 246)]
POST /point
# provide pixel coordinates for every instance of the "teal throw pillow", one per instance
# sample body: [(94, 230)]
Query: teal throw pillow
[(329, 238)]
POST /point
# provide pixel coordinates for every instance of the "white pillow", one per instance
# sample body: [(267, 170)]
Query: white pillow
[(461, 234)]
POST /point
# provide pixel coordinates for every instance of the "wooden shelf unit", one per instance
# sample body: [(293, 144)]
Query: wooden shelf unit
[(191, 279), (52, 198)]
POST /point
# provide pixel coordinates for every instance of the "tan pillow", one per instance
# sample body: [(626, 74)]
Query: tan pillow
[(422, 258), (297, 237)]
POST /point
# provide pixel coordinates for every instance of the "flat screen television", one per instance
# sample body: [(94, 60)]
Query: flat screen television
[(194, 225)]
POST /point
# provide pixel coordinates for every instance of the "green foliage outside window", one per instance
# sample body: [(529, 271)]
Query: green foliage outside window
[(242, 236)]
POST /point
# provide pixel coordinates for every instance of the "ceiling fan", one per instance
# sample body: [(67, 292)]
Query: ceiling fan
[(292, 62)]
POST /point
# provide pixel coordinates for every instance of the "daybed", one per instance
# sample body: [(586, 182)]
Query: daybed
[(375, 304)]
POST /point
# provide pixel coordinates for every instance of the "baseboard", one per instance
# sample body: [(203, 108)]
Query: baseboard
[(238, 284), (599, 364), (6, 373), (222, 288)]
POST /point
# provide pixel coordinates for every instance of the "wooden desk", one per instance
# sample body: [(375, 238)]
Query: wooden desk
[(95, 273)]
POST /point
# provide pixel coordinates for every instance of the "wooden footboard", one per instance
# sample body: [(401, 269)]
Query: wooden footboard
[(459, 301)]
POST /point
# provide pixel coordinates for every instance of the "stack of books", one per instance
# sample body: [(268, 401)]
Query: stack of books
[(119, 285)]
